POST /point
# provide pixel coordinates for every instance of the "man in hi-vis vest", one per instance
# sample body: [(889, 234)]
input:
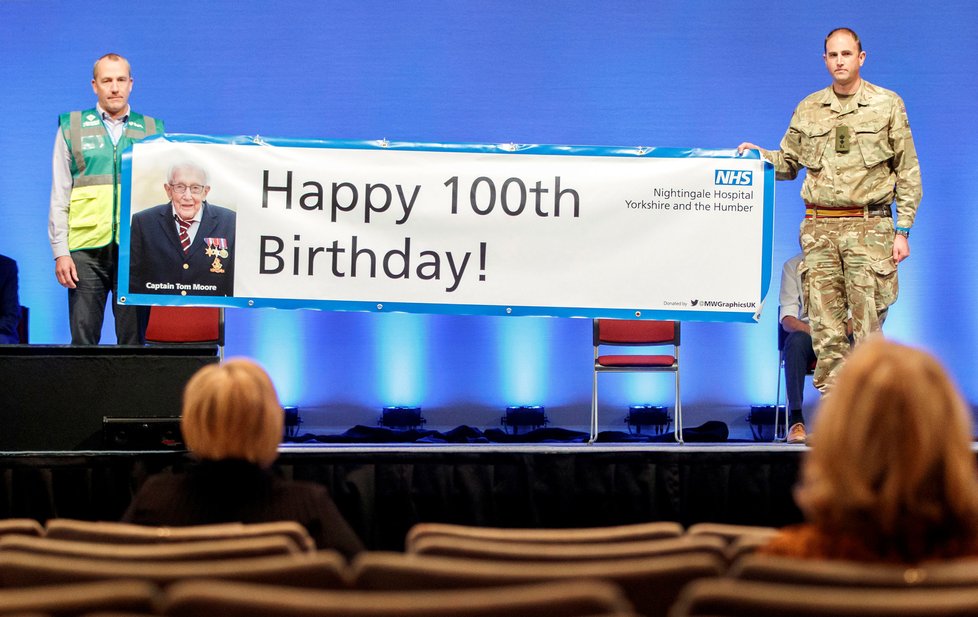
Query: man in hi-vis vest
[(83, 224)]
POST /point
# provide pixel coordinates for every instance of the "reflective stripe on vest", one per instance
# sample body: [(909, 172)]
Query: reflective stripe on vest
[(96, 170)]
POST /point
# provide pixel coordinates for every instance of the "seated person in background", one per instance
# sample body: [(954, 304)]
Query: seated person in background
[(891, 476), (232, 422), (798, 352), (9, 301)]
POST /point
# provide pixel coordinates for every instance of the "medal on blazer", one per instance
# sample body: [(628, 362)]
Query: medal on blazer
[(218, 249)]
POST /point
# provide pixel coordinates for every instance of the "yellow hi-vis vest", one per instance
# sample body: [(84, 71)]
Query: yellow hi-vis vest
[(96, 171)]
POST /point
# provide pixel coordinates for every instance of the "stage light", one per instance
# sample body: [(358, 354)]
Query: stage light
[(761, 421), (529, 417), (401, 417), (653, 416), (292, 420)]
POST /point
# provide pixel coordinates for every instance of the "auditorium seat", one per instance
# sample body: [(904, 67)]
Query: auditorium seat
[(650, 583), (730, 532), (20, 527), (323, 570), (741, 539), (235, 548), (738, 598), (615, 533), (560, 599), (129, 597), (127, 533), (566, 551), (837, 573), (745, 545)]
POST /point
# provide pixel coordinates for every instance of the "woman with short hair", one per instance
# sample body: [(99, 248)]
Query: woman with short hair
[(232, 423)]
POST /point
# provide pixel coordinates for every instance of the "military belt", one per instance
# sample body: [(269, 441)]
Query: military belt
[(813, 211)]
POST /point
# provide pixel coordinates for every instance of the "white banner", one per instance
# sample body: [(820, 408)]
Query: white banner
[(437, 228)]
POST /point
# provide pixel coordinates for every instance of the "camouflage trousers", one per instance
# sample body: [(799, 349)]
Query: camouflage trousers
[(848, 271)]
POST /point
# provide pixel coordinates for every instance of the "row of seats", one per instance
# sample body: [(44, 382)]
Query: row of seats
[(665, 568), (718, 597), (109, 532), (135, 598), (648, 562)]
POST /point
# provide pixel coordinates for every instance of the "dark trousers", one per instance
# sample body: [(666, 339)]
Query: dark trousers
[(97, 278), (798, 356)]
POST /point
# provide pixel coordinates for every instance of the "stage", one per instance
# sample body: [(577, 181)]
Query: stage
[(83, 427), (384, 489)]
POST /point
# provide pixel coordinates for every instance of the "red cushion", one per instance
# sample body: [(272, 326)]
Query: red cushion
[(637, 361)]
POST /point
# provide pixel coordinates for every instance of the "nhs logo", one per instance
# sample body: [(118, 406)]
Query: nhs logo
[(736, 177)]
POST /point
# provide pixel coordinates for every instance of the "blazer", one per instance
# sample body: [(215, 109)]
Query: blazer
[(9, 301), (158, 265), (237, 491)]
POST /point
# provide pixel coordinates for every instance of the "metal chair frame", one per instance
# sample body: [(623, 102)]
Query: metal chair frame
[(599, 340)]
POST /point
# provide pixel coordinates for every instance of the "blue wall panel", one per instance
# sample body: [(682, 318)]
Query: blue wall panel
[(676, 74)]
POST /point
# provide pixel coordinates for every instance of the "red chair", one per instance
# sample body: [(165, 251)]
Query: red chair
[(174, 325), (635, 333)]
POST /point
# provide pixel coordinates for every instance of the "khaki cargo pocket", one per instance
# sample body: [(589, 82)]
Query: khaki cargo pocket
[(874, 142), (887, 286), (815, 136)]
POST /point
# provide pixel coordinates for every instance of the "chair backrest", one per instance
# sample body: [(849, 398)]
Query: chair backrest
[(235, 548), (20, 527), (503, 550), (24, 326), (617, 533), (81, 598), (738, 598), (562, 599), (836, 573), (127, 533), (650, 583), (323, 570), (745, 545), (635, 332), (730, 532), (185, 324)]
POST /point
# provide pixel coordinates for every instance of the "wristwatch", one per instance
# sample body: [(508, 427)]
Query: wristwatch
[(902, 232)]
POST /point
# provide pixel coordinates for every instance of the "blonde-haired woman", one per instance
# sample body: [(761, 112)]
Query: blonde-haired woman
[(232, 422), (891, 476)]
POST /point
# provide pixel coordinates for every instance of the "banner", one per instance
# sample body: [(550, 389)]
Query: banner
[(571, 231)]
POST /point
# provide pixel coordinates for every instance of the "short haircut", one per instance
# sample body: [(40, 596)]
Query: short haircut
[(849, 31), (110, 56), (187, 165), (231, 411), (891, 461)]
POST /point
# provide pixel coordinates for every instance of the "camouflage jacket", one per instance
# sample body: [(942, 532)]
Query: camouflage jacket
[(879, 166)]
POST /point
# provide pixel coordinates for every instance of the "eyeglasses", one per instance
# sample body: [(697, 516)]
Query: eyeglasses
[(180, 189)]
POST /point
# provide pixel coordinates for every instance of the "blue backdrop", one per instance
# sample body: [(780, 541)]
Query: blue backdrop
[(676, 74)]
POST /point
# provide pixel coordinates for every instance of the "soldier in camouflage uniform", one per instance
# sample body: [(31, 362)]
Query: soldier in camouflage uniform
[(854, 140)]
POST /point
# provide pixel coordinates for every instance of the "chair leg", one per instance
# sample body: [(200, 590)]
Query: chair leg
[(778, 434), (678, 423), (594, 408)]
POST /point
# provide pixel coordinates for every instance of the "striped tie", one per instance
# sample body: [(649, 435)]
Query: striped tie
[(184, 236)]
